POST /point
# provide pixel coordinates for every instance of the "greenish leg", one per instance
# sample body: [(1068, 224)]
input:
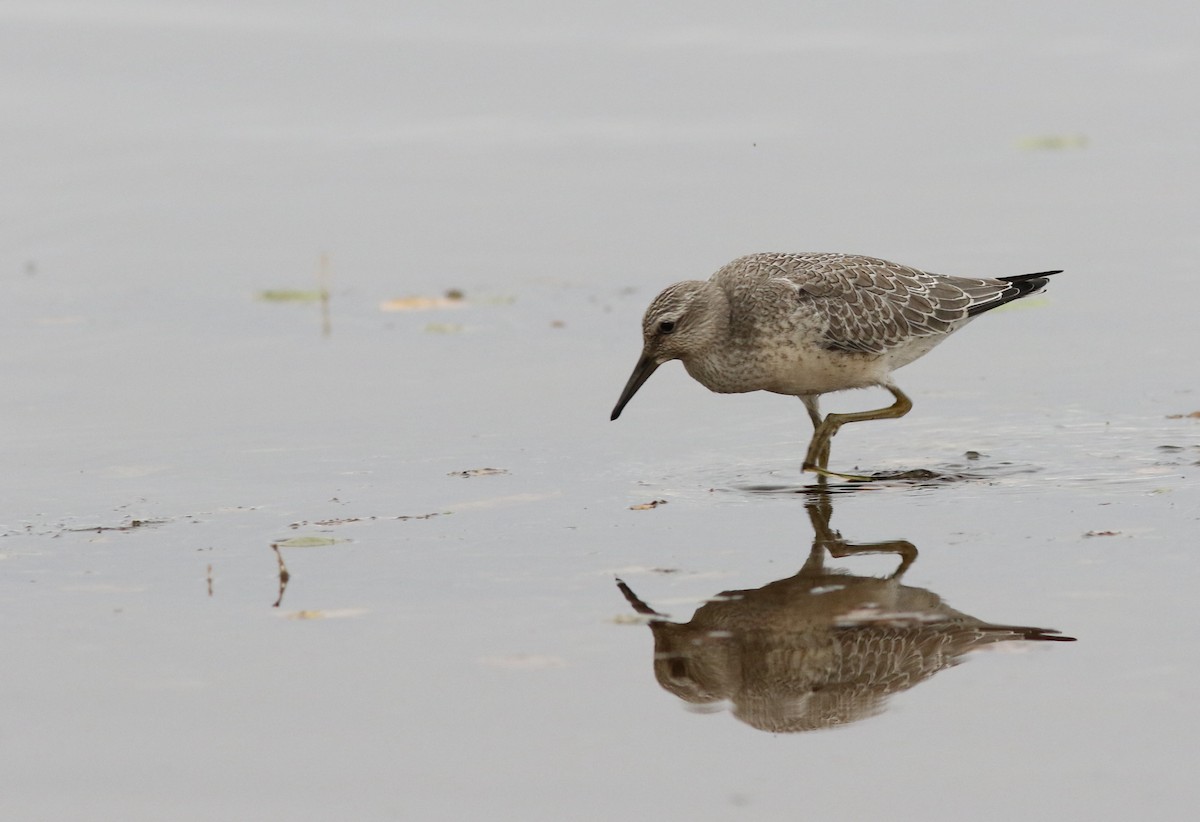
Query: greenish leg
[(825, 538), (817, 458)]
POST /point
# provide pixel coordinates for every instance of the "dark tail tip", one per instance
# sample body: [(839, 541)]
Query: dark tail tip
[(1029, 283), (1042, 275), (1020, 285)]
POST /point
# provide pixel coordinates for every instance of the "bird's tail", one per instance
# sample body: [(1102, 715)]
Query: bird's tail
[(1016, 287), (1029, 283), (1027, 632)]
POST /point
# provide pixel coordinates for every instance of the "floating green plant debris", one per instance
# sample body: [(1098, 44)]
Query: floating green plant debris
[(307, 542), (286, 295), (1052, 142)]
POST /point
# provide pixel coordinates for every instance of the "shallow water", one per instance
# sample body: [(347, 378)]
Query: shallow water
[(427, 640)]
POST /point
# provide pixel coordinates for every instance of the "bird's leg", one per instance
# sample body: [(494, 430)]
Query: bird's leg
[(833, 422), (817, 458), (812, 406), (820, 510), (900, 547)]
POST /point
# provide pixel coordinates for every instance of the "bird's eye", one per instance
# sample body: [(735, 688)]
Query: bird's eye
[(666, 326)]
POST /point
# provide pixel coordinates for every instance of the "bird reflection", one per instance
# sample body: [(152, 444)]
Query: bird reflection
[(822, 648)]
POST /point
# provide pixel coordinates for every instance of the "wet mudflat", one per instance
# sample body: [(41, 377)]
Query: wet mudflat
[(264, 555)]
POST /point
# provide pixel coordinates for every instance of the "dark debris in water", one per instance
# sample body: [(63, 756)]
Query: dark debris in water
[(132, 525), (478, 472), (920, 474), (1169, 454), (325, 523), (915, 478)]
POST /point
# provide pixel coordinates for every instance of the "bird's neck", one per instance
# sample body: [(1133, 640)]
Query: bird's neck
[(715, 364)]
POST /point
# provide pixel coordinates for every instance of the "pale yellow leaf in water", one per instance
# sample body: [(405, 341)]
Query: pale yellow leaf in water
[(289, 295), (646, 506), (337, 613), (452, 299), (307, 542)]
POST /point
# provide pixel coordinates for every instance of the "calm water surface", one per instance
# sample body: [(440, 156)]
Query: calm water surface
[(428, 640)]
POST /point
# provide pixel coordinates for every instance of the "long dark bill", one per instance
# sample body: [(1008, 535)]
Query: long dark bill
[(645, 367)]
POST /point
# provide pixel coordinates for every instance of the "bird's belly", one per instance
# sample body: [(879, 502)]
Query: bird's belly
[(812, 371), (820, 373)]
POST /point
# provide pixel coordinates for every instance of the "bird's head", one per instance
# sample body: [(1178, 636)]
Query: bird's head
[(679, 324)]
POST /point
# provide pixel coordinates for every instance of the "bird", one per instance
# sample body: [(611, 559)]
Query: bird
[(808, 324)]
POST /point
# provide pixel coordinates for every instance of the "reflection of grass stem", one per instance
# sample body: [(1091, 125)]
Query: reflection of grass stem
[(210, 579), (323, 277), (284, 576)]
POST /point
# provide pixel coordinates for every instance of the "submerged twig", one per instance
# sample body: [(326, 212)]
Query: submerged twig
[(323, 278), (284, 576)]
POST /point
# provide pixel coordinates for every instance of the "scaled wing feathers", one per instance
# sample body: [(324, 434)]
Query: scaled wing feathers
[(869, 305)]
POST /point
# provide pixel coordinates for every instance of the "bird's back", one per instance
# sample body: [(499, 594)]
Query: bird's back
[(862, 304)]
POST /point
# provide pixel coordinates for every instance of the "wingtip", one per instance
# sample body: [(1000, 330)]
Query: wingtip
[(1022, 278)]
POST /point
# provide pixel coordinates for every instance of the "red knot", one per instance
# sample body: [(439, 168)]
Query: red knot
[(809, 324)]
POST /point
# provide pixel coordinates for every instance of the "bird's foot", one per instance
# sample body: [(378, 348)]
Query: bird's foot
[(825, 472)]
